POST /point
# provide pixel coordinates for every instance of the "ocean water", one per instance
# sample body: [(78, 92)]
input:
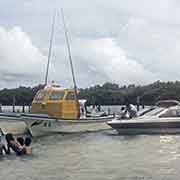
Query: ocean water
[(102, 155)]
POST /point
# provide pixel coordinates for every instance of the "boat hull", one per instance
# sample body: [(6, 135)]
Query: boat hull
[(136, 131), (170, 126), (16, 127), (42, 126), (11, 123), (67, 128)]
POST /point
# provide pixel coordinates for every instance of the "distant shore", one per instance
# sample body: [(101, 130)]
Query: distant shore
[(106, 94)]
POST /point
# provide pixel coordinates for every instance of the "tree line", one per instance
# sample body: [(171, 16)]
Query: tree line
[(106, 94)]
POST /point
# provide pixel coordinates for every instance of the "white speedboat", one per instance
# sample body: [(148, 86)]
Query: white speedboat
[(162, 118)]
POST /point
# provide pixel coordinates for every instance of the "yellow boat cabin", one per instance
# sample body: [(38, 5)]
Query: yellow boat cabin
[(57, 102)]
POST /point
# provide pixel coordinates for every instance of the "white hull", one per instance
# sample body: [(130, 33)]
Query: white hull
[(148, 131), (147, 125), (40, 127), (11, 123), (14, 127), (68, 128)]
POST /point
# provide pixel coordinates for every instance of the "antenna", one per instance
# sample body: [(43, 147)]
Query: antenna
[(69, 53), (50, 48)]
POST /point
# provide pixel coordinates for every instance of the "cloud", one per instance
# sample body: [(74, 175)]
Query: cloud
[(20, 60), (119, 41), (104, 60)]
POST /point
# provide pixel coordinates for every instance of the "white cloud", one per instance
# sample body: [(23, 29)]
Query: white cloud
[(120, 41), (105, 61), (20, 60)]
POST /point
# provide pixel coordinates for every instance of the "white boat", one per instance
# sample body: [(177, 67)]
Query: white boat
[(162, 118)]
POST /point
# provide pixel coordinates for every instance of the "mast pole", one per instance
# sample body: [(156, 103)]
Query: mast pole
[(69, 53), (50, 48)]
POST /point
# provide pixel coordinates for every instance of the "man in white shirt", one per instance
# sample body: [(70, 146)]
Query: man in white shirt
[(132, 110)]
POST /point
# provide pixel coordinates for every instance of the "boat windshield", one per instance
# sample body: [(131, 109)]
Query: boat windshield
[(56, 95), (154, 111), (40, 95), (171, 113)]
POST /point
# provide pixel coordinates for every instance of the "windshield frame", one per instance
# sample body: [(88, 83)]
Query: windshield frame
[(42, 93), (55, 93)]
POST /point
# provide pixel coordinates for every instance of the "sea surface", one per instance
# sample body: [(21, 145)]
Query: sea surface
[(102, 155)]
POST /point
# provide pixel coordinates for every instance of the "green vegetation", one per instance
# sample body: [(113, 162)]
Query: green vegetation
[(106, 94), (112, 94), (22, 95)]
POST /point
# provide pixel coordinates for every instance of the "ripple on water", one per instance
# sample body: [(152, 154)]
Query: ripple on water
[(101, 155)]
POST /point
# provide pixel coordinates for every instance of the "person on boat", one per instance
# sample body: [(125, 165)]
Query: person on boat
[(28, 146), (15, 146), (0, 107), (82, 111), (124, 113), (99, 108), (2, 148), (132, 110)]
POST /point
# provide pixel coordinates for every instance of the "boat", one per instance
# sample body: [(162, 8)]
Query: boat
[(55, 109), (163, 118)]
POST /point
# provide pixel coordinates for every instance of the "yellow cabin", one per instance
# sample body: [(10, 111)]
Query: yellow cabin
[(57, 102)]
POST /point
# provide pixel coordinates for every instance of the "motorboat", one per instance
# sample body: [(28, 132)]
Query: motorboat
[(55, 110), (164, 117)]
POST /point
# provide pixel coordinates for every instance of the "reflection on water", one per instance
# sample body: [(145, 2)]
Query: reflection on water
[(101, 155), (168, 139), (170, 147)]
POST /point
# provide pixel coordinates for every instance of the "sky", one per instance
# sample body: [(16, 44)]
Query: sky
[(123, 42)]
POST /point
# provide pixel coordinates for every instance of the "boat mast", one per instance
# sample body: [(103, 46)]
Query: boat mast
[(69, 53), (50, 48)]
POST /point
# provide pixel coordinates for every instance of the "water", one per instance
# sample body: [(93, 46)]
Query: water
[(16, 108), (110, 108), (95, 156)]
